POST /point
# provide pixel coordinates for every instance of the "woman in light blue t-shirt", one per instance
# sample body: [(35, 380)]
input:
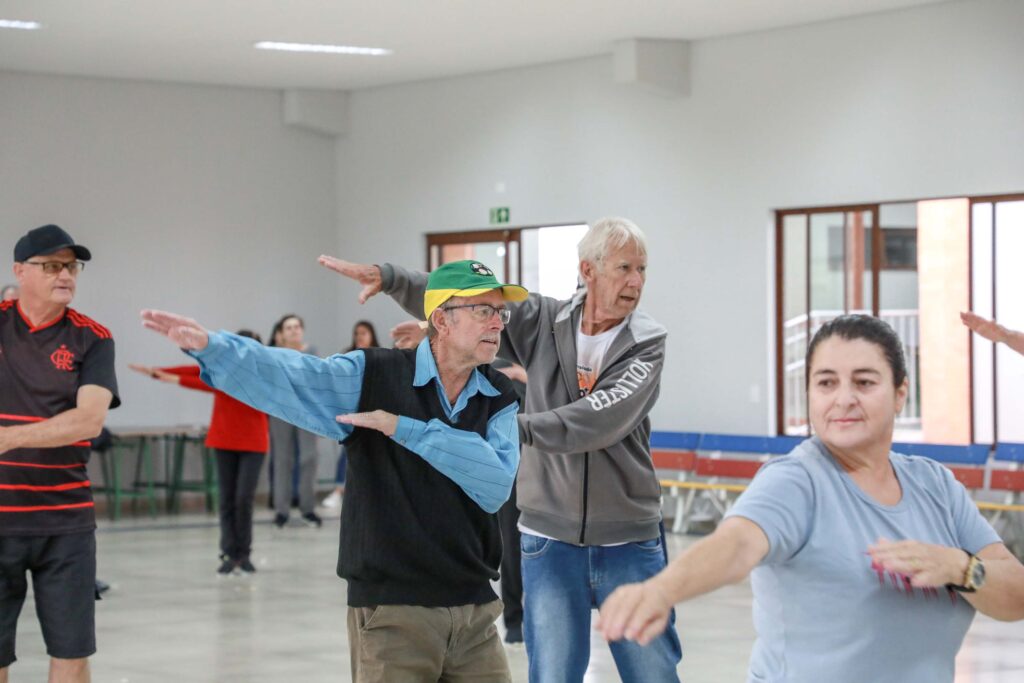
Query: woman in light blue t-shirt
[(865, 565)]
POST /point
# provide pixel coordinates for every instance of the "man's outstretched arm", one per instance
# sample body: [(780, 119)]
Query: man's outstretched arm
[(366, 275), (406, 290), (304, 390)]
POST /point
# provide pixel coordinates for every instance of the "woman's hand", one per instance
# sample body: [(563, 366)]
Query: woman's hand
[(993, 331), (142, 369), (927, 565), (989, 329), (156, 373), (636, 611)]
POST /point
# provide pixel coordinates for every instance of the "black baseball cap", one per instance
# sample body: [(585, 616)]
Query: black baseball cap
[(46, 240)]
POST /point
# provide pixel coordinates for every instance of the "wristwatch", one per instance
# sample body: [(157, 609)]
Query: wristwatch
[(974, 577)]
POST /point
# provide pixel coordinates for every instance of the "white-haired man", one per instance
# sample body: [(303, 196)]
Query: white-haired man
[(589, 497)]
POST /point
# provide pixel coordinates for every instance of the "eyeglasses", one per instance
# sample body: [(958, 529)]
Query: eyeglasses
[(54, 267), (483, 312)]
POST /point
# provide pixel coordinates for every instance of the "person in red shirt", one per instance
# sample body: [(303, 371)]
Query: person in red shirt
[(239, 435)]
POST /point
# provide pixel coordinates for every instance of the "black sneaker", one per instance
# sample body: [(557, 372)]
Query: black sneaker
[(246, 566), (227, 566), (312, 519), (280, 520), (514, 634)]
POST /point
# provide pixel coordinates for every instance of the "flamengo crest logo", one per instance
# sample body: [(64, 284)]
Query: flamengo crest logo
[(62, 358)]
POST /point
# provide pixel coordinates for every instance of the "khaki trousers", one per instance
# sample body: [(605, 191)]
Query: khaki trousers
[(408, 644)]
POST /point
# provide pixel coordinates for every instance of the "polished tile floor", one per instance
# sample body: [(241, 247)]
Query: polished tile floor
[(170, 618)]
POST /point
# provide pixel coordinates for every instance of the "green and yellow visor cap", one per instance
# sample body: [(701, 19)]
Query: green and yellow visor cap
[(465, 278)]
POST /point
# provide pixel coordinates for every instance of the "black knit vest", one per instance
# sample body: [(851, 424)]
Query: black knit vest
[(409, 534)]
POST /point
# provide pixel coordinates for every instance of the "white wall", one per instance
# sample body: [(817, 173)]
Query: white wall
[(193, 199), (918, 103), (199, 199)]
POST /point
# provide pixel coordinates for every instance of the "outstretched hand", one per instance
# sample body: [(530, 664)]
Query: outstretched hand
[(989, 329), (409, 334), (156, 373), (383, 421), (366, 275), (185, 332)]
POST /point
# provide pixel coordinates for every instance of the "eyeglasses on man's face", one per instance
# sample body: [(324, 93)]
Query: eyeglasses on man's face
[(54, 267), (483, 312)]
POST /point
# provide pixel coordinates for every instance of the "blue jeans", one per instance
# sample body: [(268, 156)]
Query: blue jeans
[(562, 583)]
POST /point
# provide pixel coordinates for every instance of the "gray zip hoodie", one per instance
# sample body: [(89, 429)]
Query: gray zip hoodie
[(585, 476)]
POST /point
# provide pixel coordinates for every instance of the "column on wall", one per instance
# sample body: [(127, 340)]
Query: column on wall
[(944, 281)]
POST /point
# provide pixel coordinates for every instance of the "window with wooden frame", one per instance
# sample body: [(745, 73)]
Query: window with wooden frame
[(542, 258), (915, 264)]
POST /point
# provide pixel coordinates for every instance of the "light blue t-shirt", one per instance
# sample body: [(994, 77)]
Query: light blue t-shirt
[(821, 612)]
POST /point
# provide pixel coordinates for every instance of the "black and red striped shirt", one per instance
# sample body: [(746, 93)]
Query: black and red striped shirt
[(46, 491)]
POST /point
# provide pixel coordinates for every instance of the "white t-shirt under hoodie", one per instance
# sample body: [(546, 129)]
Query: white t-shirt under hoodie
[(590, 353)]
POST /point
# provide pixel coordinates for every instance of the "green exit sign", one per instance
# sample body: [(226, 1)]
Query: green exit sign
[(499, 214)]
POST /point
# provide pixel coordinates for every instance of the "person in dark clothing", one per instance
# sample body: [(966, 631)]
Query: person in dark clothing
[(433, 450), (407, 335), (508, 517), (57, 383)]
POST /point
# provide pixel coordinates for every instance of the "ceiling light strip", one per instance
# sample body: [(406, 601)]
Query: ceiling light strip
[(23, 25), (322, 49)]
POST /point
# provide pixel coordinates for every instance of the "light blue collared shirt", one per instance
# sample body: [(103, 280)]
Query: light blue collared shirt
[(311, 392)]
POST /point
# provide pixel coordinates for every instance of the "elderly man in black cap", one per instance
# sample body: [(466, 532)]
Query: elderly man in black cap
[(56, 384)]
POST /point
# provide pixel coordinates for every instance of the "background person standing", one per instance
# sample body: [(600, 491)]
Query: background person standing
[(291, 446)]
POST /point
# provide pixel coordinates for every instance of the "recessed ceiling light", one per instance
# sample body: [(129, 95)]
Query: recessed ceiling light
[(24, 25), (324, 49)]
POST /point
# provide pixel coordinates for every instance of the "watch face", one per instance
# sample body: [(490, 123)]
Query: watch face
[(978, 574)]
